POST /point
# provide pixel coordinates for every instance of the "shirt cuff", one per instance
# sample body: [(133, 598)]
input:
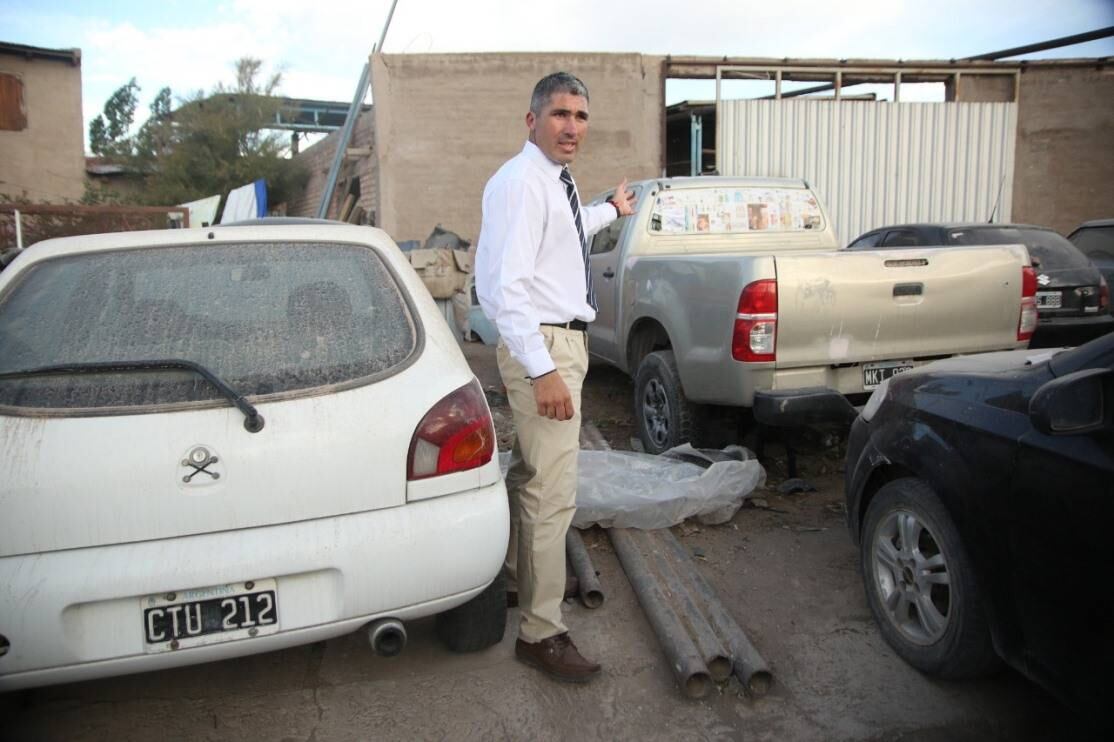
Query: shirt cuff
[(538, 362)]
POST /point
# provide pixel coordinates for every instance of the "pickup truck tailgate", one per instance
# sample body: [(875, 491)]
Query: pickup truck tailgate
[(853, 306)]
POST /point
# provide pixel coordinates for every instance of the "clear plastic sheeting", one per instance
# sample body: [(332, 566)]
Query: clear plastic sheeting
[(623, 489)]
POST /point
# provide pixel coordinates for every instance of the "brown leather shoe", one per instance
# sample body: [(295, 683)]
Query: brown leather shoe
[(557, 657), (572, 588)]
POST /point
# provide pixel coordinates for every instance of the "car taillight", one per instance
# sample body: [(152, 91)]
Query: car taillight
[(755, 335), (1104, 294), (456, 435), (1027, 322)]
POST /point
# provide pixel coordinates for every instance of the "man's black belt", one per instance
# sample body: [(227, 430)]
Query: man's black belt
[(576, 324)]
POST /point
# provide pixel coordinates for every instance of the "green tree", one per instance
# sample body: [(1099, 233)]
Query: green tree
[(213, 143), (108, 132), (154, 137)]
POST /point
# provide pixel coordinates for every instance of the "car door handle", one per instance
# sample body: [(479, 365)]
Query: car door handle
[(608, 273), (908, 289)]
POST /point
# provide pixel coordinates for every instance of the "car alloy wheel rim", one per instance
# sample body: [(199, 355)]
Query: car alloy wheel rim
[(655, 412), (911, 574)]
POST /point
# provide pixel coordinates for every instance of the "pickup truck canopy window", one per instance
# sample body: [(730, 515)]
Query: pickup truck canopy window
[(264, 318), (1049, 248), (734, 210)]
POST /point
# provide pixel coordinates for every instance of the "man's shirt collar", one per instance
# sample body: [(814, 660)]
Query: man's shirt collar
[(538, 157)]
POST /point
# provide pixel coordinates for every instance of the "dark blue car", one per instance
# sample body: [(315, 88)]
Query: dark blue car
[(980, 490)]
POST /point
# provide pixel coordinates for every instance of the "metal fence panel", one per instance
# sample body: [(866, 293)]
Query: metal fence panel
[(878, 163)]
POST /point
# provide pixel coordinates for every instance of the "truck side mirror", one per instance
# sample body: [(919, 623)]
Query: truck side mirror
[(1082, 402)]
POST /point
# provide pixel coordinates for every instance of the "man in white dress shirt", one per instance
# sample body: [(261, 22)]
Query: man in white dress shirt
[(533, 281)]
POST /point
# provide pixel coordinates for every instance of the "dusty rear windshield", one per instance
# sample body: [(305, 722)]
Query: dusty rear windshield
[(725, 210), (265, 318), (1097, 243)]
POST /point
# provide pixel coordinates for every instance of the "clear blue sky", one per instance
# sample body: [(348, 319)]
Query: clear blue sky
[(320, 45)]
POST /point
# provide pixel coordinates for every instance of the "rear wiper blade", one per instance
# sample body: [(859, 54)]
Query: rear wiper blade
[(253, 421)]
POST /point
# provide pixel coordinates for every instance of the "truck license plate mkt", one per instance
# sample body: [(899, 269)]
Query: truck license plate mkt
[(875, 373), (220, 613)]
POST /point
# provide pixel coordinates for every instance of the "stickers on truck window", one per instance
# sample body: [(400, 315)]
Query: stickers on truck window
[(733, 210)]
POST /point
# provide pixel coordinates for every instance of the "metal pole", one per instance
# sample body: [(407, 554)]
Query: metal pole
[(709, 645), (748, 665), (696, 145), (1079, 38), (18, 232), (591, 593), (684, 659), (719, 129), (350, 120), (345, 136), (383, 33)]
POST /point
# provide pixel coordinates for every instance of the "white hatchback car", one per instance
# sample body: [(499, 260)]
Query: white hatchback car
[(227, 441)]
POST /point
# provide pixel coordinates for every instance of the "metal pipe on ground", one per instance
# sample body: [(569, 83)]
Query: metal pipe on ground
[(677, 583), (748, 665), (688, 667), (591, 592)]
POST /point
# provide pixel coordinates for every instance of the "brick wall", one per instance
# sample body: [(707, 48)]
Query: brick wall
[(319, 158), (446, 122)]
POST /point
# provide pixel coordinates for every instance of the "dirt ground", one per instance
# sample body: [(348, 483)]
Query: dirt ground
[(787, 571)]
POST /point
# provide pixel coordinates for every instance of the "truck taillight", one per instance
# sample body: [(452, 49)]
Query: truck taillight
[(456, 435), (1027, 322), (755, 336)]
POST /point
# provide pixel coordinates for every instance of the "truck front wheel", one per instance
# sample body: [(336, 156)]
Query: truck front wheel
[(664, 416)]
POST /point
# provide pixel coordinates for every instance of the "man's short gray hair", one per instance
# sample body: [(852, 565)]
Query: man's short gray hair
[(558, 82)]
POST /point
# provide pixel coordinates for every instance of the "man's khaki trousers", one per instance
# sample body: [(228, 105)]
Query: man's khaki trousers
[(541, 485)]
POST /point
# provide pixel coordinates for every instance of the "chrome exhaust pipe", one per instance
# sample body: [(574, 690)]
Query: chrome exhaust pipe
[(387, 636)]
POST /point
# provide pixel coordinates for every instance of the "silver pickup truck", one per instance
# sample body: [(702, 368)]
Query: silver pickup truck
[(733, 292)]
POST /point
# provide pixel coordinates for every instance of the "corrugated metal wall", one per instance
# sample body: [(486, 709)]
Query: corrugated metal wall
[(875, 163)]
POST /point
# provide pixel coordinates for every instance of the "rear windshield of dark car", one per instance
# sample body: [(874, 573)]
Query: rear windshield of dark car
[(1053, 251), (264, 318), (1097, 243)]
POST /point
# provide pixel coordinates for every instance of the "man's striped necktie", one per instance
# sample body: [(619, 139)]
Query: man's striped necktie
[(574, 203)]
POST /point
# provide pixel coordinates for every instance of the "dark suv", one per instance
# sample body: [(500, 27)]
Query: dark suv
[(1073, 298), (1096, 241)]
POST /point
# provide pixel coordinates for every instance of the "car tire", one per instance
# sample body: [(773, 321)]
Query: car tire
[(664, 416), (477, 624), (921, 585)]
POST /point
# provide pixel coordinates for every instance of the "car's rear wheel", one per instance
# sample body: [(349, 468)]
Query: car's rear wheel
[(921, 585), (665, 417), (477, 624)]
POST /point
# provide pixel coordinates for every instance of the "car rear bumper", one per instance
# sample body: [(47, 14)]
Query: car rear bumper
[(813, 408), (77, 614), (1070, 331)]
